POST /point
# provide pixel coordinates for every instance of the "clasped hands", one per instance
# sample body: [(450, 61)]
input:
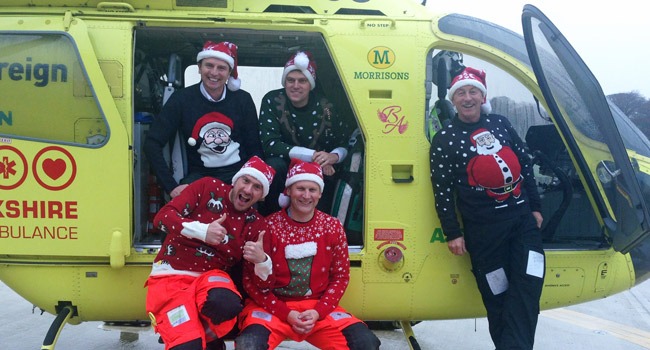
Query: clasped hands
[(326, 161), (303, 322)]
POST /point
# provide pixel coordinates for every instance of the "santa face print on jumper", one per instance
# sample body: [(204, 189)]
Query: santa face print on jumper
[(495, 168), (216, 140), (217, 148)]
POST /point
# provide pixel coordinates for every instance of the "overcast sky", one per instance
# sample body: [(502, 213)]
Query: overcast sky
[(613, 40)]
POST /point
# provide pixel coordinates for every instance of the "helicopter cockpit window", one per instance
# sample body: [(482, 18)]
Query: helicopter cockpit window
[(569, 218), (485, 32), (46, 68)]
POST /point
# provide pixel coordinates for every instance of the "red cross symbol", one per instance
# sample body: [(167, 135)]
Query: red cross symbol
[(7, 167)]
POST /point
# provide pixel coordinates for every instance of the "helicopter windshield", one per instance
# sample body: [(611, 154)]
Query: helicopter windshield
[(633, 138), (608, 144)]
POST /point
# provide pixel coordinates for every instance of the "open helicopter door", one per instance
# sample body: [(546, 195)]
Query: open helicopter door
[(603, 149)]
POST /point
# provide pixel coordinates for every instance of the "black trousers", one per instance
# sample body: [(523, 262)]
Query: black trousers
[(508, 263)]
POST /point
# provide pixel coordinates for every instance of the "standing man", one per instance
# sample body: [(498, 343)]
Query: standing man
[(219, 123), (310, 272), (480, 162), (297, 122), (191, 298)]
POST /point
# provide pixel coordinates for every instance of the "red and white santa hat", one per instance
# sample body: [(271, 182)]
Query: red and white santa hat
[(303, 62), (478, 133), (259, 170), (473, 77), (227, 52), (209, 121), (299, 170)]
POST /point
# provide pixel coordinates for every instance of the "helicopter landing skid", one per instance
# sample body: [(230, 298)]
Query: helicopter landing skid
[(410, 336), (55, 328)]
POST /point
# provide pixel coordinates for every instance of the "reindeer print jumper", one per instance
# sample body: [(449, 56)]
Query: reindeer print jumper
[(199, 204), (485, 168)]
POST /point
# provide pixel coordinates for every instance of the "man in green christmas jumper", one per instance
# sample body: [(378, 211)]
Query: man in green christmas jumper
[(298, 122)]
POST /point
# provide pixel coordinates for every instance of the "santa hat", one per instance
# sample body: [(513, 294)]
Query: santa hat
[(303, 62), (478, 133), (209, 121), (226, 52), (473, 77), (259, 170), (300, 170), (475, 136)]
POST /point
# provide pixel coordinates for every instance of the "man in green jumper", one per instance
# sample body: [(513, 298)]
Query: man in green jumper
[(298, 122)]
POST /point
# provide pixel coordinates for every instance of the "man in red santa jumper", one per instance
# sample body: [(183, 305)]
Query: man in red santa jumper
[(191, 298), (479, 163), (311, 270)]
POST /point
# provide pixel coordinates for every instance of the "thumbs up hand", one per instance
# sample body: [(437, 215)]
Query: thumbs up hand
[(254, 250), (216, 232)]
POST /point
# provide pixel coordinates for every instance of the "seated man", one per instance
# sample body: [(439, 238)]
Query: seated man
[(299, 300), (191, 298), (297, 122), (215, 116)]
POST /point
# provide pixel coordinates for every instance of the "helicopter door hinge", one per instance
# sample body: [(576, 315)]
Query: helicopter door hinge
[(67, 20)]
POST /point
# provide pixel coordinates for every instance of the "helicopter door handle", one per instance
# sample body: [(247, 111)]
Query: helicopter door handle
[(115, 6), (402, 173)]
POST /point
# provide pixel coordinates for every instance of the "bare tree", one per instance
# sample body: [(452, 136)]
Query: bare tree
[(631, 103), (636, 107)]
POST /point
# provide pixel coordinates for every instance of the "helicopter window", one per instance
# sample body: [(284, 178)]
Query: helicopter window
[(360, 12), (289, 9), (569, 217), (633, 138), (487, 33), (47, 68)]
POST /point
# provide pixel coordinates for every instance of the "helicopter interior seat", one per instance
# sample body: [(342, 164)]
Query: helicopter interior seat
[(176, 147), (347, 204), (545, 139), (445, 110), (444, 66)]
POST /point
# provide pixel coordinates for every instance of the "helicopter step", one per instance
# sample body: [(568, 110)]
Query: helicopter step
[(129, 331)]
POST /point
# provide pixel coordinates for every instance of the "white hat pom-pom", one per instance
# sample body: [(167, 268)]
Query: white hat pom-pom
[(234, 84), (301, 61), (486, 107), (284, 200), (191, 141)]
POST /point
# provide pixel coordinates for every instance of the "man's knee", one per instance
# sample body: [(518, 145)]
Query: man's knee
[(221, 305), (359, 337), (253, 337)]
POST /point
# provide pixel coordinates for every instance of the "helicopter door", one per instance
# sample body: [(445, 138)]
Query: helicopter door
[(66, 189), (583, 115)]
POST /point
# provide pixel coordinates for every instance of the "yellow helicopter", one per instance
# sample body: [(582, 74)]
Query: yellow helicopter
[(76, 237)]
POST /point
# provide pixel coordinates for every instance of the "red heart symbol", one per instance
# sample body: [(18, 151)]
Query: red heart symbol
[(54, 168)]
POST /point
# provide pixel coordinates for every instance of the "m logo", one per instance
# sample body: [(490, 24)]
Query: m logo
[(381, 57)]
